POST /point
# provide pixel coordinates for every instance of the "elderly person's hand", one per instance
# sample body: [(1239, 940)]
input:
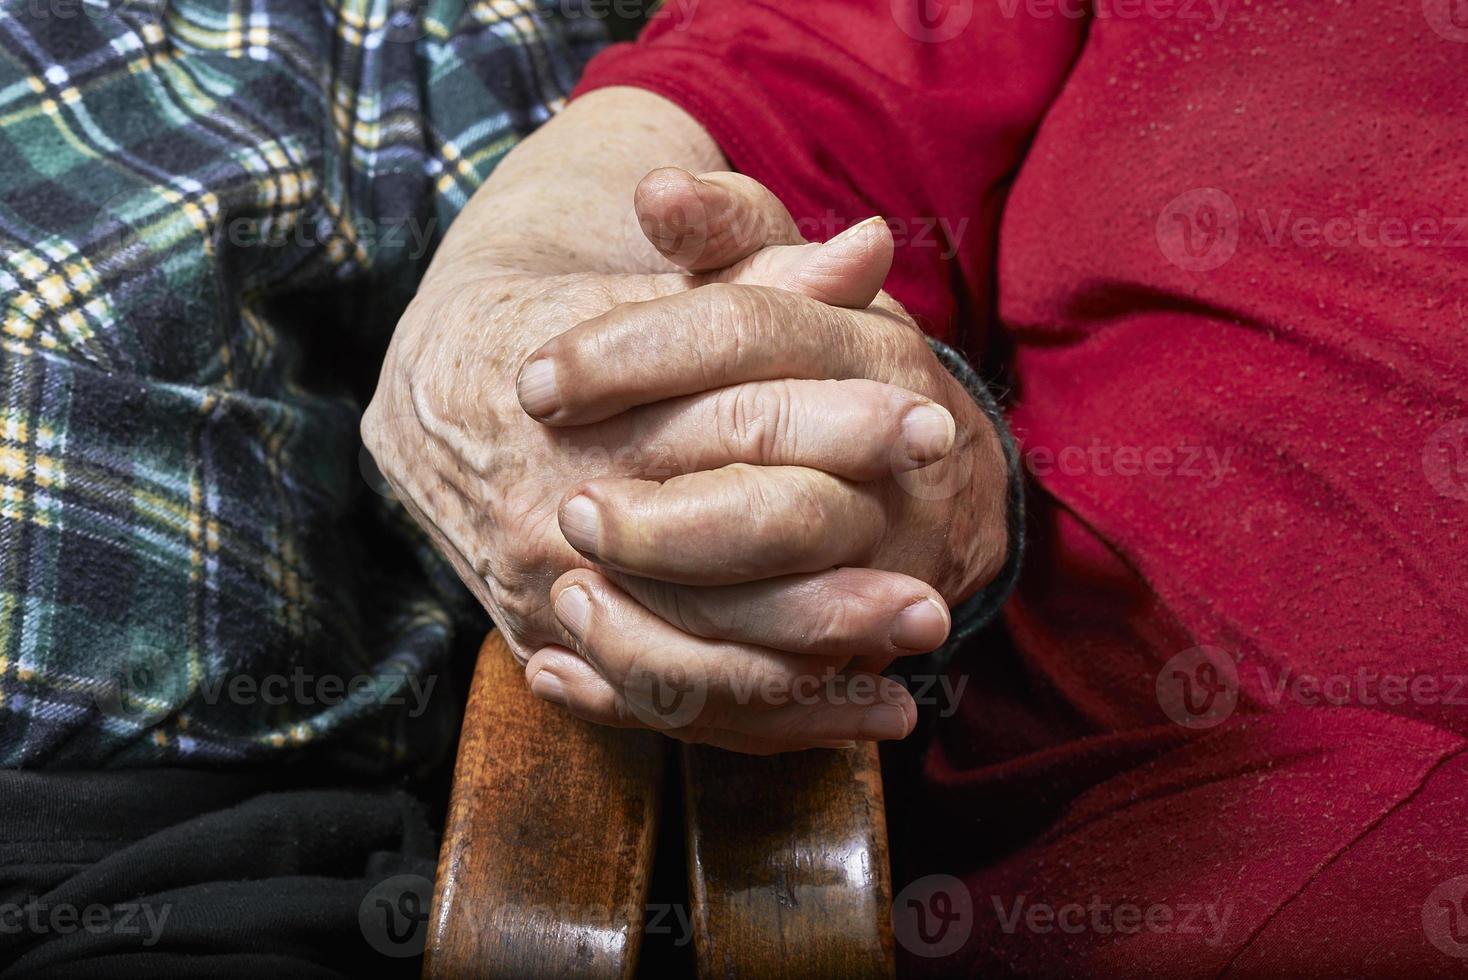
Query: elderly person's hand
[(819, 548), (741, 478)]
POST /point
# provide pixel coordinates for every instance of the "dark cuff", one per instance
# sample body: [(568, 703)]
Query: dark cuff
[(974, 613)]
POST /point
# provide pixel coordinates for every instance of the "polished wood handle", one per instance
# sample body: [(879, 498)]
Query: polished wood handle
[(548, 847), (549, 844), (788, 864)]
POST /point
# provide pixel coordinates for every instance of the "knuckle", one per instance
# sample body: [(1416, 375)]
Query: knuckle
[(736, 422), (803, 510), (912, 343), (879, 406), (832, 621), (738, 317), (775, 516), (725, 299), (435, 408), (587, 350), (860, 589), (895, 340), (566, 350), (516, 590), (755, 421)]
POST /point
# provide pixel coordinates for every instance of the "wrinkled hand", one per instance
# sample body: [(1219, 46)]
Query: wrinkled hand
[(740, 479)]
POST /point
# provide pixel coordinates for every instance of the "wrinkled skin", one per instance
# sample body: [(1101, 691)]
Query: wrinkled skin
[(764, 514)]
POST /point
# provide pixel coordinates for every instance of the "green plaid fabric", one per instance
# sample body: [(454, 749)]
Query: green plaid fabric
[(211, 214)]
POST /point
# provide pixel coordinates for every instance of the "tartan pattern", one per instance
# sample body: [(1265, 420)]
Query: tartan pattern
[(212, 213)]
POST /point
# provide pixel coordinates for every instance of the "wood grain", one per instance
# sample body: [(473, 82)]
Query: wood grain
[(788, 864), (549, 841)]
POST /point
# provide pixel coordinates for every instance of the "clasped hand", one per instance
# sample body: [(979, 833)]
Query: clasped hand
[(715, 500)]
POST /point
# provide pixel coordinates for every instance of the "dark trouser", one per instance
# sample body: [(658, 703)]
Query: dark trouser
[(180, 873)]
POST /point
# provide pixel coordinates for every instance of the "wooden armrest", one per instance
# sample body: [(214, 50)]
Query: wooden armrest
[(547, 851), (549, 845), (788, 863)]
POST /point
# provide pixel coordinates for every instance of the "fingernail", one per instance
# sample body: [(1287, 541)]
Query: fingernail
[(548, 687), (921, 627), (927, 433), (537, 389), (857, 230), (885, 721), (573, 609), (581, 524)]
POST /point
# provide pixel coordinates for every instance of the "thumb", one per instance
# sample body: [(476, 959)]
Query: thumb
[(711, 221), (733, 227), (846, 271)]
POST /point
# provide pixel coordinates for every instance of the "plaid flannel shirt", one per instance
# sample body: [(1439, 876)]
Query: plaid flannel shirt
[(211, 214)]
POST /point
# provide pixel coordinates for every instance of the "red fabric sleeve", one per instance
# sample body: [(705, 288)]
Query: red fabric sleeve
[(910, 109)]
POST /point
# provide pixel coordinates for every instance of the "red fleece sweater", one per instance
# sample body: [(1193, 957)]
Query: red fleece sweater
[(1217, 252)]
